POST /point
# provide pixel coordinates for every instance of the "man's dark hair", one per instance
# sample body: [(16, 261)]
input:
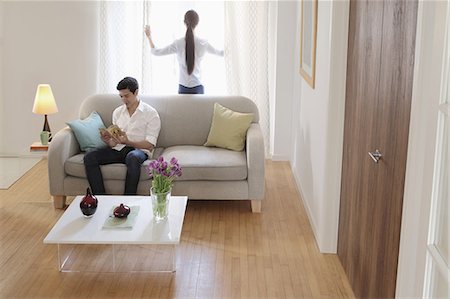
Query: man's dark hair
[(128, 83)]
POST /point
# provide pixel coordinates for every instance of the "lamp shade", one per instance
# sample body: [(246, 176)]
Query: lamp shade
[(44, 101)]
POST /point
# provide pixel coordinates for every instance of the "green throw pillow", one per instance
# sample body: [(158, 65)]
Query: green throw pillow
[(87, 131), (228, 128)]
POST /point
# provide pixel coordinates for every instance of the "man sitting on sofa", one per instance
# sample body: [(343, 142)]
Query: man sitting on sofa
[(139, 125)]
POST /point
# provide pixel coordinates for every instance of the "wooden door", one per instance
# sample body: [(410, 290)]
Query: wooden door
[(379, 85)]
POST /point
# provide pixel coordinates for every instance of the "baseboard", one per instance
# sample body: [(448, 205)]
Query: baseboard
[(279, 158), (305, 204), (35, 155)]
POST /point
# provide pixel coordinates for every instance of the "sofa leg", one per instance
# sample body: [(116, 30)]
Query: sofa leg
[(59, 201), (256, 206)]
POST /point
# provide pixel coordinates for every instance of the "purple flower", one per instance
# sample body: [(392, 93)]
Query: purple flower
[(163, 173), (153, 164)]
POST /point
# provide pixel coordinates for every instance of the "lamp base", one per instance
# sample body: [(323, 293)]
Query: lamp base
[(47, 128)]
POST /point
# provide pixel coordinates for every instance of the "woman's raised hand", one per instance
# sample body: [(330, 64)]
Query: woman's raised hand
[(148, 33), (147, 30)]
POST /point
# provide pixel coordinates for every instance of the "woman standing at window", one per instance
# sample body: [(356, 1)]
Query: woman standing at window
[(190, 51)]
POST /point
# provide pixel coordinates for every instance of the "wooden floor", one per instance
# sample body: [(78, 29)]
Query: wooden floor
[(226, 251)]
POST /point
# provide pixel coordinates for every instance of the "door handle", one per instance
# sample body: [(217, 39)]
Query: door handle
[(376, 155)]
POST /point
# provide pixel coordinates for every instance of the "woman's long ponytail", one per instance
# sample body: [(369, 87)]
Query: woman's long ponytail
[(190, 50), (191, 20)]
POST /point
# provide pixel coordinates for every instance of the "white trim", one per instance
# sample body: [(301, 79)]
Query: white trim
[(430, 35), (439, 261), (428, 275), (434, 259), (445, 108), (435, 201), (446, 70)]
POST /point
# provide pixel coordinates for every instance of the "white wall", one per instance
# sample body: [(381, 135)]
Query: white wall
[(272, 65), (318, 118), (45, 42), (282, 89), (1, 73)]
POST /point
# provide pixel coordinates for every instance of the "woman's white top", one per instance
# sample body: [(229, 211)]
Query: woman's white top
[(179, 47)]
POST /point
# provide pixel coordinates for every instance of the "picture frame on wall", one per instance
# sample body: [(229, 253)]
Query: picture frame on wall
[(308, 40)]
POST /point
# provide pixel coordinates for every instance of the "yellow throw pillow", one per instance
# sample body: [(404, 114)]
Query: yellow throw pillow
[(228, 128)]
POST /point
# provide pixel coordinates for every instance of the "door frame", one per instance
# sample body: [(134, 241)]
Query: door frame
[(429, 57)]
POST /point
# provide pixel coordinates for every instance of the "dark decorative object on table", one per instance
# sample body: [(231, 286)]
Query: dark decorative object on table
[(88, 204), (121, 211)]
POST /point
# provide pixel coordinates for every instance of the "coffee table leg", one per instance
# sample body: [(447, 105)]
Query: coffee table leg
[(62, 263), (174, 258), (60, 266), (65, 251), (114, 257)]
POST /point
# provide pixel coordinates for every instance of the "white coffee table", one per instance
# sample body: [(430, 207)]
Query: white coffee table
[(85, 245)]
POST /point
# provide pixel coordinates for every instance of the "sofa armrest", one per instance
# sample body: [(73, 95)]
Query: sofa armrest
[(255, 162), (63, 146)]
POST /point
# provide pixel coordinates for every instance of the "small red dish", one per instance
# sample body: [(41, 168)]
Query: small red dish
[(121, 211)]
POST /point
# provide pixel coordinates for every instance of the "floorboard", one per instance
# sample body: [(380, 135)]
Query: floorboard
[(225, 252)]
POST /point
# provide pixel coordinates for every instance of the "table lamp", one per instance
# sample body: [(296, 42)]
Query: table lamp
[(44, 103)]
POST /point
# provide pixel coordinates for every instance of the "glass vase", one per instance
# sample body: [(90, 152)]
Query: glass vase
[(160, 204)]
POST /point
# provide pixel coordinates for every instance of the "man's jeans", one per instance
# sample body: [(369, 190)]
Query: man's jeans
[(130, 156)]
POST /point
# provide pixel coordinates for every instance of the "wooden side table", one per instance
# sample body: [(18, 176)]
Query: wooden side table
[(38, 147)]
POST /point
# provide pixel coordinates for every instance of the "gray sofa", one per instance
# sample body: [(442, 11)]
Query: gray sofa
[(208, 172)]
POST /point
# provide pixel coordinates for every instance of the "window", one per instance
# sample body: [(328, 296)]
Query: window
[(166, 20), (124, 49)]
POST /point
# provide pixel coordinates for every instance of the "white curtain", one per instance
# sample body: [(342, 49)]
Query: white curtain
[(246, 55), (122, 45)]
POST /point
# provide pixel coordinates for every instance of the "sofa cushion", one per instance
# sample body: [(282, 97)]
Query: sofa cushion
[(208, 163), (87, 131), (228, 128), (74, 166), (197, 162)]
